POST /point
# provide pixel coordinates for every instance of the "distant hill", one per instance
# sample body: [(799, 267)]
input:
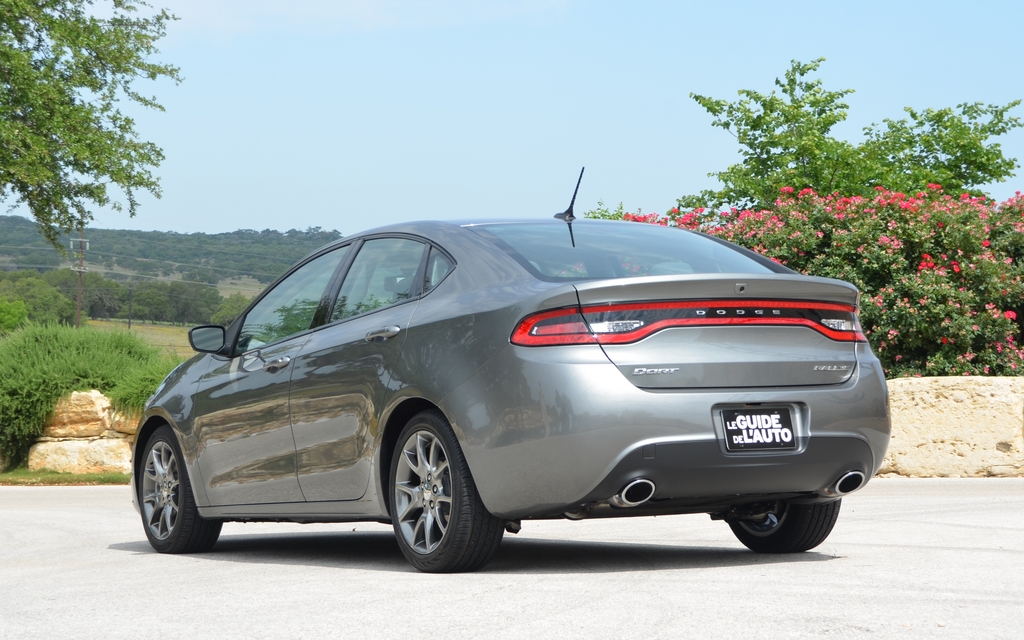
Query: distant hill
[(198, 257)]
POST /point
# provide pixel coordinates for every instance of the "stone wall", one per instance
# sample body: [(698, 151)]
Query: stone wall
[(85, 435), (957, 427)]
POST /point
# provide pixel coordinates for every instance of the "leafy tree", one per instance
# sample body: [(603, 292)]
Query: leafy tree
[(786, 140), (192, 303), (150, 302), (231, 308), (101, 298), (63, 140), (44, 303), (12, 315)]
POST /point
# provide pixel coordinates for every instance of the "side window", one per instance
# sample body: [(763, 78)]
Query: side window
[(290, 306), (438, 267), (382, 274)]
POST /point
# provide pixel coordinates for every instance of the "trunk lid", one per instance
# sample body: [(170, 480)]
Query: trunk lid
[(725, 330)]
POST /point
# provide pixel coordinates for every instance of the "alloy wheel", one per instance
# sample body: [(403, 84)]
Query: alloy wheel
[(160, 491), (423, 492)]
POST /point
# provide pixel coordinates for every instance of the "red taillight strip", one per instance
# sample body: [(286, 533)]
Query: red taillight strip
[(646, 330), (575, 332)]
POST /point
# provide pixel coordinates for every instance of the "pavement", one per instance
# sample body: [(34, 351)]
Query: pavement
[(914, 558)]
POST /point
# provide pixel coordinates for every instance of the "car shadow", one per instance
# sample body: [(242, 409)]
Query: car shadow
[(378, 551)]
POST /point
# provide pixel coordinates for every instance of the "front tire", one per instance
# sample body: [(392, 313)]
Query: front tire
[(169, 513), (796, 528), (440, 522)]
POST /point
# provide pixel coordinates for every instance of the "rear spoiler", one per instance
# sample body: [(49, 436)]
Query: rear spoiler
[(717, 286)]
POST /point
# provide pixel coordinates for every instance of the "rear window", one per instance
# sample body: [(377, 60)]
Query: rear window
[(617, 250)]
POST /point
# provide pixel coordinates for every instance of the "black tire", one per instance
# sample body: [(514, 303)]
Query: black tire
[(797, 528), (470, 535), (169, 515)]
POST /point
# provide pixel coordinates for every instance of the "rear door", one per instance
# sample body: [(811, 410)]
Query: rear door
[(342, 375)]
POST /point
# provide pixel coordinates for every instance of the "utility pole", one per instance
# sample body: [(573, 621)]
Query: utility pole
[(83, 246), (130, 288)]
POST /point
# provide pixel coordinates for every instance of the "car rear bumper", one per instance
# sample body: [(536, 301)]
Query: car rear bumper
[(546, 431)]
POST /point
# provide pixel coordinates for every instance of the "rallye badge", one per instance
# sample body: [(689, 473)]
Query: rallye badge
[(831, 367)]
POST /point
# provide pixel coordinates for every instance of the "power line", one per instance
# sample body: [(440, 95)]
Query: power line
[(101, 254), (164, 243), (134, 275)]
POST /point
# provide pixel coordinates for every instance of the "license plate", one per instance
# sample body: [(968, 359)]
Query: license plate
[(758, 429)]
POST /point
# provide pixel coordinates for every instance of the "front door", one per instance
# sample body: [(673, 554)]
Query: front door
[(246, 450)]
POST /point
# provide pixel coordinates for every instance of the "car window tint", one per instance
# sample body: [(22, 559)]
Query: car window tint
[(382, 274), (290, 306), (615, 250), (438, 266)]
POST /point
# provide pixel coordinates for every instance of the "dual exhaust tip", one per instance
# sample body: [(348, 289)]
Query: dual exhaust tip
[(847, 483), (639, 491), (634, 494)]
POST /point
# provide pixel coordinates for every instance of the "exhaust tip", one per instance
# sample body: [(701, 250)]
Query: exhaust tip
[(847, 483), (635, 493)]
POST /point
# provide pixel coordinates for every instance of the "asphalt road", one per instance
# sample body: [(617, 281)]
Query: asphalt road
[(939, 558)]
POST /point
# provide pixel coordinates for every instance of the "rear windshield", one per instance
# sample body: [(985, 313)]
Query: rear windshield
[(617, 250)]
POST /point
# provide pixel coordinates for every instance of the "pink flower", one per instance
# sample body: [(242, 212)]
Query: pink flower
[(986, 243), (1010, 315), (786, 190)]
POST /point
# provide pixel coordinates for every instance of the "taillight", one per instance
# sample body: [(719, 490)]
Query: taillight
[(629, 322), (561, 326)]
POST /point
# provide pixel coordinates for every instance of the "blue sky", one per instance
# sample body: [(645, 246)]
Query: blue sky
[(351, 114)]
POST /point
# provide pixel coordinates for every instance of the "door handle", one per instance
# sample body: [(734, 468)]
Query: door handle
[(382, 334), (276, 365)]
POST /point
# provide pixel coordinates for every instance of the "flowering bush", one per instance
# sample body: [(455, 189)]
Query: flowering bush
[(940, 275)]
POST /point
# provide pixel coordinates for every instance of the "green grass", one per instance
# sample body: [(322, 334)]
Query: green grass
[(167, 338), (23, 477)]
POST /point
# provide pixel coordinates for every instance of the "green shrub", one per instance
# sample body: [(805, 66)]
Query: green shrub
[(41, 363), (130, 393), (941, 275)]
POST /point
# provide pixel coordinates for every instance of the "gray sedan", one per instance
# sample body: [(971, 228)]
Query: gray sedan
[(454, 379)]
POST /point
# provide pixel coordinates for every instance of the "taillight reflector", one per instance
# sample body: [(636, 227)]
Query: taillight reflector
[(561, 326)]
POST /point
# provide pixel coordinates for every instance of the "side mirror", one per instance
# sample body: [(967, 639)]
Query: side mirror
[(208, 338)]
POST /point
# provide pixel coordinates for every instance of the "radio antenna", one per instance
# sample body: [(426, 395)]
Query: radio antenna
[(567, 214)]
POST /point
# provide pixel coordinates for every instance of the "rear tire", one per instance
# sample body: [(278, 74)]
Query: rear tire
[(796, 528), (440, 522), (169, 513)]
